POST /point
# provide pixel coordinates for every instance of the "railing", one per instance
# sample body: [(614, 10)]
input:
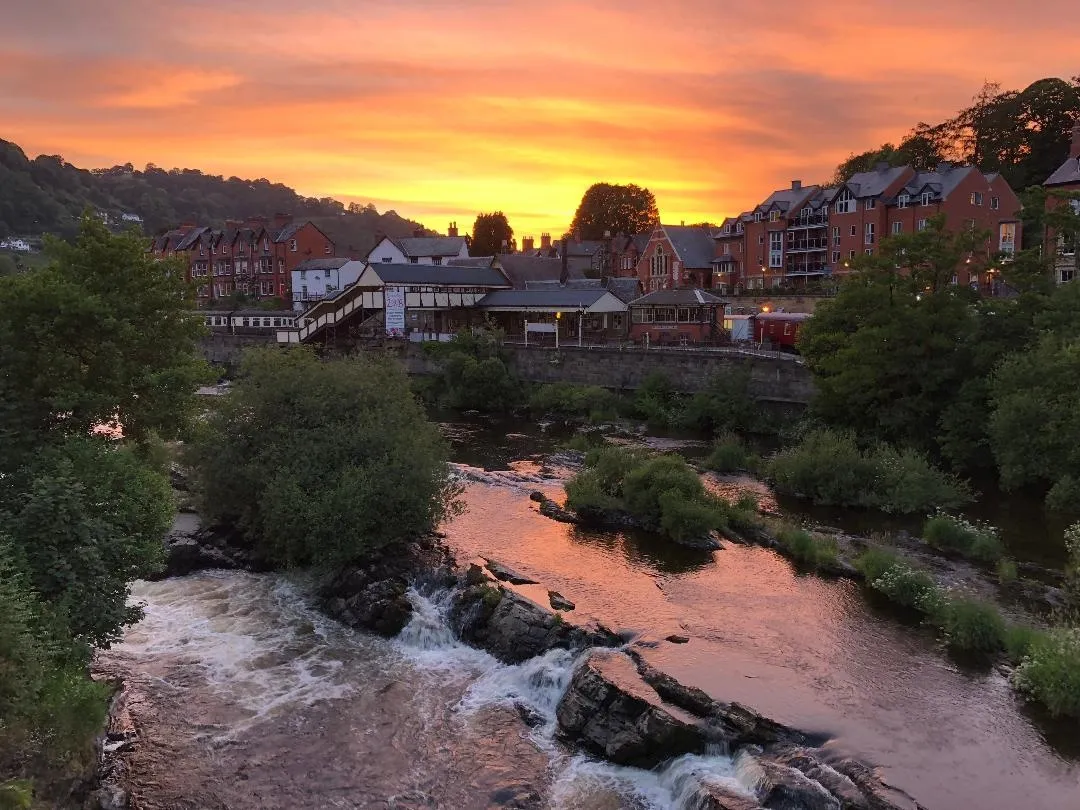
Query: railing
[(812, 221), (806, 245), (719, 346)]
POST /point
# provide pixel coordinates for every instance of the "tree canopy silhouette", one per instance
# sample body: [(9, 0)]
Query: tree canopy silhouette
[(607, 209)]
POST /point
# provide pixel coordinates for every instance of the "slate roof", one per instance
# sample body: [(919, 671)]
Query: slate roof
[(286, 233), (788, 198), (682, 297), (192, 238), (942, 180), (521, 269), (321, 264), (1067, 172), (694, 245), (873, 183), (555, 297), (439, 276), (431, 245), (470, 261), (625, 289)]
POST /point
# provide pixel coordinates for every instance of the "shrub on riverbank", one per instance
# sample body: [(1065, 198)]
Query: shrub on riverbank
[(1050, 671), (319, 462), (829, 468), (971, 625), (662, 492), (980, 541), (474, 375), (808, 549), (728, 454), (566, 400)]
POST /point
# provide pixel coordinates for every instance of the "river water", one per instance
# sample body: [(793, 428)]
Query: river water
[(248, 698)]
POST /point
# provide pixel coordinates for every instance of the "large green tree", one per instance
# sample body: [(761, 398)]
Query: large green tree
[(321, 462), (607, 209), (491, 235), (102, 333)]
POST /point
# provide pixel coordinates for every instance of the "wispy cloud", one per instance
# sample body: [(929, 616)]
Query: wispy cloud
[(442, 108)]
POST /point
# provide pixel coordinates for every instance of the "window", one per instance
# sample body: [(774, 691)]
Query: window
[(897, 228), (266, 245), (836, 235), (869, 251), (776, 249), (1007, 237), (1067, 274), (303, 275), (326, 274), (995, 203), (851, 254), (738, 227), (414, 260), (845, 203), (976, 198), (240, 248), (436, 260), (853, 231), (328, 250), (836, 257), (761, 239), (303, 292), (870, 204), (659, 263), (774, 216), (387, 259), (922, 225), (292, 245), (281, 265), (927, 197), (787, 328), (869, 238), (902, 200), (955, 280), (757, 216), (727, 249)]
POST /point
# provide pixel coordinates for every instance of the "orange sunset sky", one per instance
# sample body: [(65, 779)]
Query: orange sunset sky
[(441, 109)]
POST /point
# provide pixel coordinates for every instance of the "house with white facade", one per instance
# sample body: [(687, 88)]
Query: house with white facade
[(419, 250), (18, 245), (316, 279)]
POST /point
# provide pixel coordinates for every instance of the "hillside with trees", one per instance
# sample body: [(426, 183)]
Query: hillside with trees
[(46, 194)]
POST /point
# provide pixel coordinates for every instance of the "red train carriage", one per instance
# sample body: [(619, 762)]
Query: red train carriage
[(779, 329)]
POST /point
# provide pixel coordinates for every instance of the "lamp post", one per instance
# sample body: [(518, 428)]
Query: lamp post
[(558, 317)]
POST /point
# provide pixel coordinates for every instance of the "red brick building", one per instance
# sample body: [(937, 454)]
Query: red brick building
[(676, 316), (1065, 179), (677, 256), (255, 257), (806, 233)]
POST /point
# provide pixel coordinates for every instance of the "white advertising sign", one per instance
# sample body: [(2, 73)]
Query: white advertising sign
[(394, 309)]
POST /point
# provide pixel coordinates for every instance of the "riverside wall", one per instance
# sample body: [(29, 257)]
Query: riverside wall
[(781, 379)]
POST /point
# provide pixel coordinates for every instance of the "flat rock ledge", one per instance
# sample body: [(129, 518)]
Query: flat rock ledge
[(620, 708)]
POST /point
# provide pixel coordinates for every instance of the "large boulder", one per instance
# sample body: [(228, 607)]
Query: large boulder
[(780, 787), (719, 797), (513, 628), (611, 711), (191, 547)]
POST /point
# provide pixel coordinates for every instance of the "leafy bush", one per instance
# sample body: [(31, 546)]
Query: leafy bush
[(909, 587), (806, 548), (973, 626), (657, 402), (875, 561), (585, 494), (1050, 672), (319, 462), (728, 455), (828, 468), (567, 399), (1018, 641), (644, 484), (980, 541), (682, 519), (474, 374), (1064, 495), (724, 404)]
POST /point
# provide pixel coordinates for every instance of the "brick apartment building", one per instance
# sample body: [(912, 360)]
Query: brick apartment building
[(255, 257), (1065, 179), (804, 233)]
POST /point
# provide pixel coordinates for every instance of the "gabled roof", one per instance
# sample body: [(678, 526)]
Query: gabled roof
[(567, 298), (192, 238), (521, 269), (682, 297), (431, 245), (1067, 173), (321, 264), (625, 289), (432, 275), (471, 261), (873, 183), (786, 199), (694, 246), (942, 181)]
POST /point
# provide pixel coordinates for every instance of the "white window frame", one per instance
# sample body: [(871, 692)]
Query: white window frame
[(776, 249), (927, 198), (897, 228), (995, 203), (845, 203), (903, 200), (870, 204), (868, 237)]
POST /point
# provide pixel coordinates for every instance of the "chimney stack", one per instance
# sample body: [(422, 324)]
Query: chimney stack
[(281, 220), (565, 274), (1075, 151), (452, 230), (527, 244), (796, 185), (545, 241)]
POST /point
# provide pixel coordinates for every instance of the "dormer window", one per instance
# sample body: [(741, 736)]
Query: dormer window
[(774, 216), (903, 200), (757, 216), (927, 198), (845, 203)]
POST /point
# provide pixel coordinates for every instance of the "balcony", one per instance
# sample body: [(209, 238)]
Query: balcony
[(808, 244), (813, 221), (807, 268)]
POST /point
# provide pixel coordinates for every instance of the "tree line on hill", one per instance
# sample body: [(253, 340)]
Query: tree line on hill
[(47, 194), (1023, 134)]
